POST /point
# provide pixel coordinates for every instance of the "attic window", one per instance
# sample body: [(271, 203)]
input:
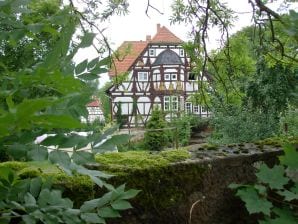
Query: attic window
[(143, 76), (151, 52)]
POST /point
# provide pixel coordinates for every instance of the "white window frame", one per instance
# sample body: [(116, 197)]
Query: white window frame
[(174, 76), (167, 101), (196, 109), (188, 107), (143, 76), (167, 77), (181, 52), (203, 109), (152, 52), (171, 103), (170, 76)]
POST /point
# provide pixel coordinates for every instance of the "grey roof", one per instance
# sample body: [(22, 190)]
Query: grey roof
[(167, 57)]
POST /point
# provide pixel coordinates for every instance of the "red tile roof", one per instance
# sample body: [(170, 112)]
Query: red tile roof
[(94, 103), (164, 35), (129, 51)]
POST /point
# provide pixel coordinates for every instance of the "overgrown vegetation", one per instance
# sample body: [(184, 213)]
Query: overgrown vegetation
[(275, 193), (40, 96)]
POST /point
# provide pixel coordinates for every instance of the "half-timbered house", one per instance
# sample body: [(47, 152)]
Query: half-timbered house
[(157, 73)]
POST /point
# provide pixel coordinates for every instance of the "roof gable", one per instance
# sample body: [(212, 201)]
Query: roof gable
[(164, 35), (127, 54)]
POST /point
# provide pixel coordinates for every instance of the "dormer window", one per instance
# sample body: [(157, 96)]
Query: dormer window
[(143, 76), (151, 52)]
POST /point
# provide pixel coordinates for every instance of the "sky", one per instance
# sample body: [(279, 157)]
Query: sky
[(136, 25)]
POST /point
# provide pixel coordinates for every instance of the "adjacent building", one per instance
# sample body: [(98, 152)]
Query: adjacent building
[(152, 73)]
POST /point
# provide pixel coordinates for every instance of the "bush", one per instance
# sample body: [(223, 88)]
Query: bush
[(289, 122), (182, 131), (242, 125), (155, 137)]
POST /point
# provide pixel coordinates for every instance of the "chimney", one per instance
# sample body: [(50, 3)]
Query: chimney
[(157, 27), (148, 38)]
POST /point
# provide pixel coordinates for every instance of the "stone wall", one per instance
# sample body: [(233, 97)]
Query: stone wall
[(199, 184)]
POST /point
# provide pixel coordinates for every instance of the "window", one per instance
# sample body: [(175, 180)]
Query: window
[(196, 109), (174, 103), (167, 76), (174, 76), (181, 53), (188, 108), (191, 76), (171, 103), (171, 76), (143, 76), (204, 109), (152, 52)]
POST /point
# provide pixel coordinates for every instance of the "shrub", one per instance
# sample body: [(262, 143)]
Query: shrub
[(242, 125), (289, 122), (155, 137)]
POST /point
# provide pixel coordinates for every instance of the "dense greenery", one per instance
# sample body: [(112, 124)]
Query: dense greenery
[(275, 192), (155, 132), (40, 96)]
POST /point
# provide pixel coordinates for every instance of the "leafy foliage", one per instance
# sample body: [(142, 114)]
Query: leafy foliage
[(275, 192), (242, 125), (155, 134), (39, 97)]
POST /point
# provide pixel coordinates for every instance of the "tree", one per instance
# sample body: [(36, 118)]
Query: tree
[(155, 134), (42, 96)]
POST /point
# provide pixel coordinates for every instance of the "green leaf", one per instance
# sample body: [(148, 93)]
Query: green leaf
[(81, 67), (57, 121), (285, 217), (28, 219), (253, 202), (89, 205), (288, 195), (29, 199), (290, 158), (131, 193), (92, 218), (81, 157), (121, 205), (108, 212), (92, 63), (35, 186), (87, 40), (60, 157), (38, 153), (88, 76), (104, 61), (273, 177)]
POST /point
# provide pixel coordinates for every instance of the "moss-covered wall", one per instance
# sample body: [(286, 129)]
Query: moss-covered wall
[(171, 183)]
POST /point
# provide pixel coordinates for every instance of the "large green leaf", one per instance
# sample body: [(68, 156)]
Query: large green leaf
[(38, 153), (108, 212), (92, 218), (35, 186), (253, 202), (81, 67), (273, 177), (290, 158), (121, 205), (88, 76), (82, 157), (87, 40), (60, 157)]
